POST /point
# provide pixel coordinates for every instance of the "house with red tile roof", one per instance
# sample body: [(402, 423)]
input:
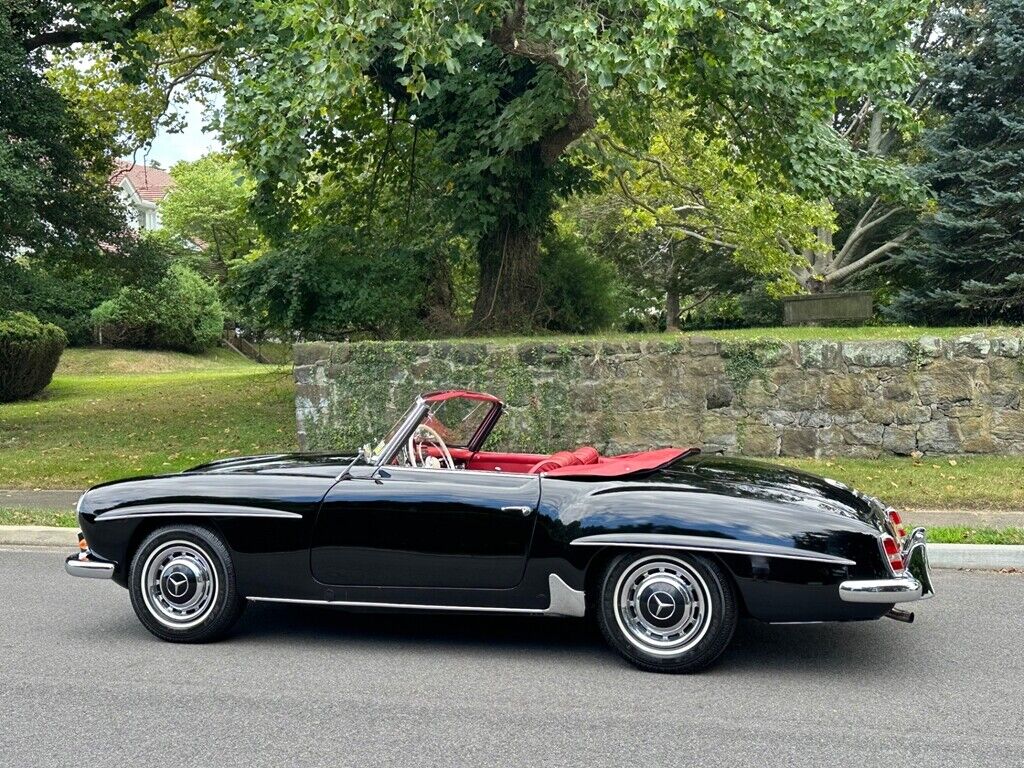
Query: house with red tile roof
[(142, 187)]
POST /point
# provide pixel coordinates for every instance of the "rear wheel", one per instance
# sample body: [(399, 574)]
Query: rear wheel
[(667, 612), (182, 585)]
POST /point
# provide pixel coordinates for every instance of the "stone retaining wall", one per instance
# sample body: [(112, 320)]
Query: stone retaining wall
[(763, 398)]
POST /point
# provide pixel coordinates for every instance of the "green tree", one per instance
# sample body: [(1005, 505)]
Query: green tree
[(968, 263), (505, 88), (691, 198), (209, 206)]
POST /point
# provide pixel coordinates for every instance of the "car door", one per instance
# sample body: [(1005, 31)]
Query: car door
[(416, 527)]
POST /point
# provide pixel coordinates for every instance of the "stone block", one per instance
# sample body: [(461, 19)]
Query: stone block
[(1008, 425), (1008, 346), (930, 346), (758, 440), (912, 414), (939, 436), (844, 393), (946, 384), (864, 433), (799, 442), (876, 354), (823, 355), (973, 345), (900, 440), (719, 395)]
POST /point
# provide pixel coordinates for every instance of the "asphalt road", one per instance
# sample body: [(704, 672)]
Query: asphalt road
[(81, 682)]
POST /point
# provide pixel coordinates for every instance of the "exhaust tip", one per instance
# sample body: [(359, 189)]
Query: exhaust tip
[(900, 615)]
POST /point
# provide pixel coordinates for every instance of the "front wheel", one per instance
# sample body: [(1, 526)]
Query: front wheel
[(182, 585), (667, 612)]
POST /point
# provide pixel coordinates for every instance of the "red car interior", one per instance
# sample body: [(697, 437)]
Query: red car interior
[(584, 461)]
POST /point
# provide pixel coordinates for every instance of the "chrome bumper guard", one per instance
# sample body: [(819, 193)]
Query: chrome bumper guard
[(85, 565), (915, 584)]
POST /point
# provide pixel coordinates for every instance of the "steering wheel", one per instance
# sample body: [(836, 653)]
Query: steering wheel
[(415, 449)]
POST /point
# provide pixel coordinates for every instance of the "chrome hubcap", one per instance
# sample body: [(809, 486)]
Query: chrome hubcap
[(662, 605), (179, 584)]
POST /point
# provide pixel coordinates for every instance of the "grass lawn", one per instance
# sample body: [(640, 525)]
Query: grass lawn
[(934, 482), (115, 413), (784, 333)]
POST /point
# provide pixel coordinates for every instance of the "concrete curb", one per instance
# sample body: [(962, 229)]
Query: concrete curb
[(38, 536), (988, 557)]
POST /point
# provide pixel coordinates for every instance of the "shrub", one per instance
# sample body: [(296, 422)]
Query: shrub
[(580, 293), (29, 352), (182, 312)]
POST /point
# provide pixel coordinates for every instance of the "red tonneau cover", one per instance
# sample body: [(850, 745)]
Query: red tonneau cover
[(626, 464)]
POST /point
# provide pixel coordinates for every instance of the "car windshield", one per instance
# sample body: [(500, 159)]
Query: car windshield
[(457, 419), (373, 452)]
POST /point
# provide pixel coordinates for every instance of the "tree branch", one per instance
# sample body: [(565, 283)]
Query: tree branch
[(510, 39), (67, 36), (868, 259), (862, 228)]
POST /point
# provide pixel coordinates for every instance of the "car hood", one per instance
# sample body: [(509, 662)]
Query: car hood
[(316, 464)]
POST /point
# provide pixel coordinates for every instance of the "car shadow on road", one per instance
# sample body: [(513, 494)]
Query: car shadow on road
[(841, 648)]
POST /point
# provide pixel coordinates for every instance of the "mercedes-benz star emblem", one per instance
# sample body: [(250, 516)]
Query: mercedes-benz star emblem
[(177, 583), (661, 605)]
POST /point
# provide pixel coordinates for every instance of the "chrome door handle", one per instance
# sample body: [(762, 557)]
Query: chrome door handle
[(524, 511)]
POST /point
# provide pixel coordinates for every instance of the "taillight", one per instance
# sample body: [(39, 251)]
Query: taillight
[(897, 524), (893, 552)]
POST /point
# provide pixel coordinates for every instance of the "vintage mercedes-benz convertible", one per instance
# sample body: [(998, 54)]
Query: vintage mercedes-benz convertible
[(665, 548)]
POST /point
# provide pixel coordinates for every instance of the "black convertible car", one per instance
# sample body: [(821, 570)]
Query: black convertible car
[(665, 548)]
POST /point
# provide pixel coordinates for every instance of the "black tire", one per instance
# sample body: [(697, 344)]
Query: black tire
[(667, 611), (182, 585)]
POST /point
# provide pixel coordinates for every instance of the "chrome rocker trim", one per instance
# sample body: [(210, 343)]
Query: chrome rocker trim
[(564, 601), (914, 584), (86, 568), (704, 544), (194, 510)]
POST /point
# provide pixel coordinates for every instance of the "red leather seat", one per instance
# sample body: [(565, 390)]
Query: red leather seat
[(554, 461), (586, 455)]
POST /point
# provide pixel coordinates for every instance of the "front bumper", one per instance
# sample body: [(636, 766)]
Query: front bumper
[(915, 584)]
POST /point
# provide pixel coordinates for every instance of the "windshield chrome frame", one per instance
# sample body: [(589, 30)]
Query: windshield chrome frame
[(411, 421)]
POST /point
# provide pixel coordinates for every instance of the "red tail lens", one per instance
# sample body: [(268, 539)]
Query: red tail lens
[(897, 523), (892, 551)]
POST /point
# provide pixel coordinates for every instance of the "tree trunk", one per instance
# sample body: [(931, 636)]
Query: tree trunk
[(672, 291), (672, 310), (510, 287)]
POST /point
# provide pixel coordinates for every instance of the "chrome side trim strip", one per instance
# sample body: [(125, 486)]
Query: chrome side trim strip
[(564, 601), (704, 544), (191, 509), (88, 569)]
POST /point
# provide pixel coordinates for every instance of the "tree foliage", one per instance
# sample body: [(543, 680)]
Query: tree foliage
[(505, 87), (209, 207), (968, 264)]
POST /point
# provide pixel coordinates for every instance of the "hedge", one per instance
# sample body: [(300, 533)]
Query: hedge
[(29, 352), (182, 312)]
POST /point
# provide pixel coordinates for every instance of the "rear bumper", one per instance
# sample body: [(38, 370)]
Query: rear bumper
[(915, 584)]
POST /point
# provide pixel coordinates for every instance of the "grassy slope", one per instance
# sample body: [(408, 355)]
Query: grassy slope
[(936, 482), (111, 414), (785, 333)]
